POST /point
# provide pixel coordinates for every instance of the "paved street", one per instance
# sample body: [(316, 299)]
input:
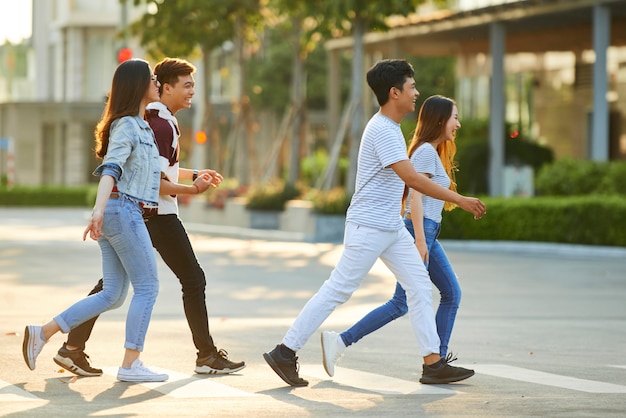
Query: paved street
[(543, 326)]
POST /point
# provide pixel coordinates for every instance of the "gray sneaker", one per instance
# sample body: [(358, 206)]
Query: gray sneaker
[(32, 345)]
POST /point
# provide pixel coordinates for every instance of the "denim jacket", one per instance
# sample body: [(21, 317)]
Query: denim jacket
[(132, 158)]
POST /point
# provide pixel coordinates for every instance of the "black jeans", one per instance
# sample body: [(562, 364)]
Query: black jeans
[(171, 241)]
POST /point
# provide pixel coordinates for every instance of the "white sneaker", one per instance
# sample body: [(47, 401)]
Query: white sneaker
[(332, 350), (139, 373), (32, 345)]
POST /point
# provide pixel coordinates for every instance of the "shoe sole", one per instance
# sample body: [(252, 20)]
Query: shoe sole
[(269, 360), (69, 365), (330, 371), (25, 348), (135, 379), (436, 381), (210, 370)]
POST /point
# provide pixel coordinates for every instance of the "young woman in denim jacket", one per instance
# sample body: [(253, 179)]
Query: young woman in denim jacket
[(129, 187), (431, 151)]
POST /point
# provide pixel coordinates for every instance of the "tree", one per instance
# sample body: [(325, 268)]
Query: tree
[(355, 18), (185, 28)]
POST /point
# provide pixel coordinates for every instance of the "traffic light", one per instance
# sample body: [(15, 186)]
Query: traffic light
[(124, 54)]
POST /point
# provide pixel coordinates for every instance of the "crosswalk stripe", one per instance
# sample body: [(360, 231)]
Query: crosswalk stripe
[(181, 385), (11, 393), (549, 379), (374, 382)]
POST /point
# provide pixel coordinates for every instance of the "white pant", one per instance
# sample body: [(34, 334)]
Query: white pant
[(362, 247)]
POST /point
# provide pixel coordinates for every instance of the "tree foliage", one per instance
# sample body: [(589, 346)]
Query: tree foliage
[(177, 28)]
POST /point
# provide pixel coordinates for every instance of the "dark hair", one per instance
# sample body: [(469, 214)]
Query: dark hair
[(128, 88), (169, 69), (386, 74)]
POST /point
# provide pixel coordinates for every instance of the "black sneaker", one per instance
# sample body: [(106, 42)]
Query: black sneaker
[(218, 363), (75, 361), (441, 372), (287, 369)]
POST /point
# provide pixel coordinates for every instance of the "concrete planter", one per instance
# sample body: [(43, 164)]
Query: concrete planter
[(261, 219), (329, 228), (297, 221)]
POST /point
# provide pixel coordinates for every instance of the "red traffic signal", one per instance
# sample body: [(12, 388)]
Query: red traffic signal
[(124, 54)]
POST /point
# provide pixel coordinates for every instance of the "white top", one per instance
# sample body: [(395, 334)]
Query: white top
[(377, 199), (168, 151), (426, 160)]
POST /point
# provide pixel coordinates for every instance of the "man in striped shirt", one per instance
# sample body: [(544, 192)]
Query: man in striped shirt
[(374, 229)]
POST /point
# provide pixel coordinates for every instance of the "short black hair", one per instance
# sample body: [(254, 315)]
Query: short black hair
[(386, 74)]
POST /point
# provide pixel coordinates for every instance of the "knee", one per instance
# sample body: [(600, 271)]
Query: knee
[(397, 307), (194, 283), (453, 296)]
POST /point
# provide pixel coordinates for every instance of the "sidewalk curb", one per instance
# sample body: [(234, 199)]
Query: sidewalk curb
[(526, 247)]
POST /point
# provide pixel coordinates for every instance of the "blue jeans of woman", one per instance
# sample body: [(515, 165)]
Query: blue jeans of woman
[(443, 277), (127, 258)]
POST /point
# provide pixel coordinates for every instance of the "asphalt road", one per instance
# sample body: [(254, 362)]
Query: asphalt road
[(544, 326)]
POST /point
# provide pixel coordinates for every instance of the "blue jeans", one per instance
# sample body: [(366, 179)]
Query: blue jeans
[(443, 277), (127, 257)]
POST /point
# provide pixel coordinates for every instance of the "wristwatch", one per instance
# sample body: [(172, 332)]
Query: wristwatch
[(195, 175)]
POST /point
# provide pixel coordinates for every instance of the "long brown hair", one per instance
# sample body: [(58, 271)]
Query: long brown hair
[(431, 123), (129, 85)]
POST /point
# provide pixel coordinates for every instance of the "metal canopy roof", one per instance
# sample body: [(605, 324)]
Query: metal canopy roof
[(531, 26)]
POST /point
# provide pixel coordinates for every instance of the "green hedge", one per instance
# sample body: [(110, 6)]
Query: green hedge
[(48, 196), (572, 177), (591, 220)]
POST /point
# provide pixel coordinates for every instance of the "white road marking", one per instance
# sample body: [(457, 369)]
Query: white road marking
[(549, 379), (618, 366), (181, 385), (11, 393), (374, 382)]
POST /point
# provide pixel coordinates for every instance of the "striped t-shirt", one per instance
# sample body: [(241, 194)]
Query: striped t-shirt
[(426, 160), (378, 192)]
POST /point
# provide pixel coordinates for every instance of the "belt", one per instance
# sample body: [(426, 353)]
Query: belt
[(147, 210)]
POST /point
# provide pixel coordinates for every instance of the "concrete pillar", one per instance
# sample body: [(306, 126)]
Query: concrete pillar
[(600, 120), (497, 109)]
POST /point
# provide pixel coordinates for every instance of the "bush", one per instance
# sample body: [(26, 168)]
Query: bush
[(48, 196), (571, 177), (473, 152), (331, 202), (592, 220), (271, 196)]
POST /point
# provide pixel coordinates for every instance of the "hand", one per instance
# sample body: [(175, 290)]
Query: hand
[(203, 182), (474, 206), (217, 177), (94, 229)]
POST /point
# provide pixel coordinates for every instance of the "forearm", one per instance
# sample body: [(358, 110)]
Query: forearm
[(170, 188), (105, 186), (417, 216), (428, 187)]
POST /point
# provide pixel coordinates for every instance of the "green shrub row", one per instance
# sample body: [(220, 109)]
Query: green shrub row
[(590, 220), (48, 196), (571, 177)]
